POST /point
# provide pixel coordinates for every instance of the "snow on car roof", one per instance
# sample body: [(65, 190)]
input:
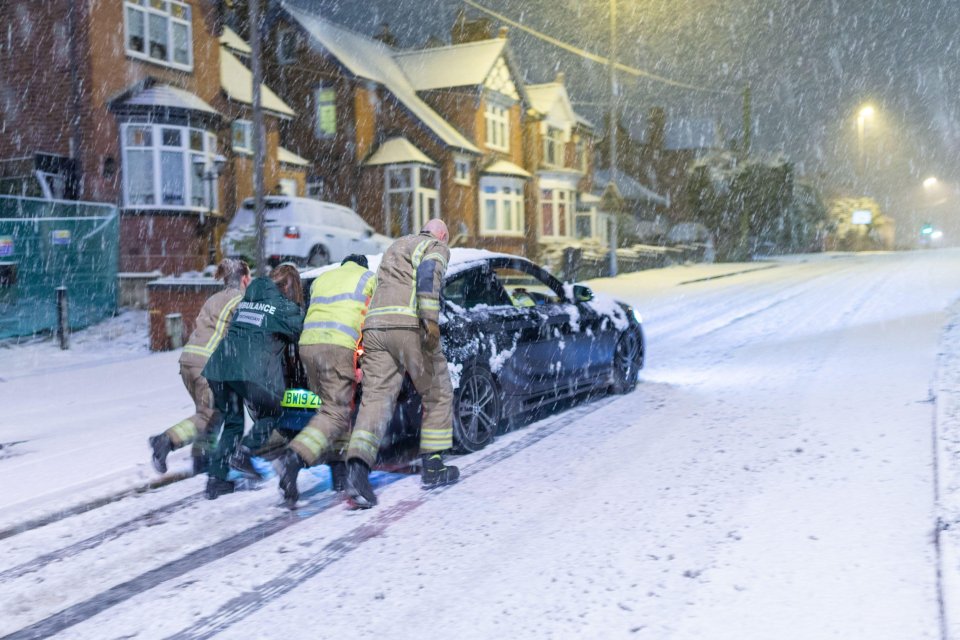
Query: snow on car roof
[(460, 259)]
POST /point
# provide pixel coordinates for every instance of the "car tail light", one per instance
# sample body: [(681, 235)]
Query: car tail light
[(291, 232)]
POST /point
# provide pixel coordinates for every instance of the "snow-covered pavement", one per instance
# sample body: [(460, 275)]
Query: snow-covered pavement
[(773, 476)]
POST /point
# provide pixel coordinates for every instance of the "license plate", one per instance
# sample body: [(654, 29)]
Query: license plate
[(300, 399)]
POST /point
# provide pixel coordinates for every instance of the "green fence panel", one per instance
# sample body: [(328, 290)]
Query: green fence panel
[(45, 245)]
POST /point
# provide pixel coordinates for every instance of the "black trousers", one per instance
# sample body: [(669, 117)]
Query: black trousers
[(229, 399)]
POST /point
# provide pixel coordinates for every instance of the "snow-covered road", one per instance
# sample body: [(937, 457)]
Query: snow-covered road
[(773, 476)]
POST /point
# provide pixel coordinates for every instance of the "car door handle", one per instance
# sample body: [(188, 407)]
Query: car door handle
[(329, 235)]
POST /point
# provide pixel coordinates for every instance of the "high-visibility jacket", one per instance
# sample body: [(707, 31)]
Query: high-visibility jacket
[(408, 283), (212, 323), (338, 304)]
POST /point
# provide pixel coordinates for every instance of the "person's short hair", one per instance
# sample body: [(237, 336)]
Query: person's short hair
[(287, 279), (359, 258), (232, 271)]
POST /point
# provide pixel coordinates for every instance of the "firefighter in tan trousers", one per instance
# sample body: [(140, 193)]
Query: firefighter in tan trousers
[(212, 323), (401, 335), (328, 351)]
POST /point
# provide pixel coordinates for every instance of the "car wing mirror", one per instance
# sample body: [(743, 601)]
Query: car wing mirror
[(582, 293)]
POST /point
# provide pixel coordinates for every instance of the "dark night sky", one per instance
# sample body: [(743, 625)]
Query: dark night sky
[(810, 64)]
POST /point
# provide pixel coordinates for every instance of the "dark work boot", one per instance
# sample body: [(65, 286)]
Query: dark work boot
[(162, 447), (358, 484), (201, 463), (288, 466), (240, 460), (217, 487), (435, 473), (338, 475)]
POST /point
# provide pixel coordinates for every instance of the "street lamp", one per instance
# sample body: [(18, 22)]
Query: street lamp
[(208, 170), (866, 113), (930, 182)]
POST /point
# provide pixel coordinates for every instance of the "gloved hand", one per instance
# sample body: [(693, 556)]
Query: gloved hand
[(431, 334)]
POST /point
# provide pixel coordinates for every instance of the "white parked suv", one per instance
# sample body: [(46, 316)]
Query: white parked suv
[(304, 231)]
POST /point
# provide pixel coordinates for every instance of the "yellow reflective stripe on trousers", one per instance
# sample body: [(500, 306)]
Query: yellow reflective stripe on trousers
[(183, 432), (366, 443), (313, 440), (200, 351), (436, 439)]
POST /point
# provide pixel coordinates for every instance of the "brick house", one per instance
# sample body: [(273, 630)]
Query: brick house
[(403, 136), (560, 147), (124, 102)]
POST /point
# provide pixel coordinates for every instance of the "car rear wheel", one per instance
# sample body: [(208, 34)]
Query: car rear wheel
[(477, 411), (627, 361), (319, 257)]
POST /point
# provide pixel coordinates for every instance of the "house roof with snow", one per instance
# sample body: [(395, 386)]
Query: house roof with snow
[(398, 151), (457, 65), (627, 187), (237, 83), (505, 168), (371, 59), (232, 40)]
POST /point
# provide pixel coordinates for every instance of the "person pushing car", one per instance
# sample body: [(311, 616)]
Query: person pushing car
[(402, 335), (247, 368), (211, 325), (328, 351)]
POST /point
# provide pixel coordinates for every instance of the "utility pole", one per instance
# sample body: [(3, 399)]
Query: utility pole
[(747, 122), (258, 139), (612, 128)]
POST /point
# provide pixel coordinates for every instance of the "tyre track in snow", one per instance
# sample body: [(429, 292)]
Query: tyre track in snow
[(335, 550), (339, 548)]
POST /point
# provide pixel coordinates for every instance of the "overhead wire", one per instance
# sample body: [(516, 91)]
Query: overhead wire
[(589, 55)]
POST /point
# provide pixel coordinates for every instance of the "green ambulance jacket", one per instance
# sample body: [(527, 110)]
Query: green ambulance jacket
[(252, 351)]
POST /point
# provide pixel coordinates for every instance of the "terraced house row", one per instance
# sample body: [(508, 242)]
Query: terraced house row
[(147, 104)]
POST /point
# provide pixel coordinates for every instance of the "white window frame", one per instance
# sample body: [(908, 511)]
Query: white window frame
[(506, 194), (159, 9), (462, 170), (190, 182), (246, 147), (558, 196), (318, 108), (420, 195), (553, 142), (496, 120)]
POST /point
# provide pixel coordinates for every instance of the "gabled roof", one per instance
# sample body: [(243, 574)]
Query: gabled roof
[(373, 60), (398, 151), (237, 82), (627, 187), (457, 65), (546, 97)]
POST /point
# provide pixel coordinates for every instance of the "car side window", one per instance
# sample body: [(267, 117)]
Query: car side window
[(475, 288), (525, 289)]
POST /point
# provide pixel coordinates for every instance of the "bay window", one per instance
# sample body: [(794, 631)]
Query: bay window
[(158, 166), (412, 197), (159, 31), (555, 212), (501, 206)]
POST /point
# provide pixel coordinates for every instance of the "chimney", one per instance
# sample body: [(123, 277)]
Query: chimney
[(502, 33), (386, 36), (465, 30), (560, 79)]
